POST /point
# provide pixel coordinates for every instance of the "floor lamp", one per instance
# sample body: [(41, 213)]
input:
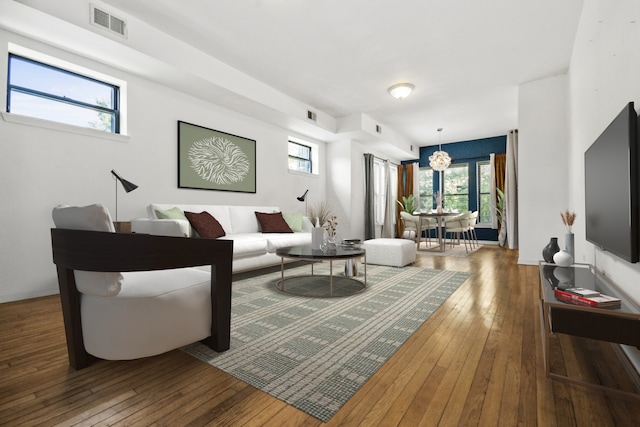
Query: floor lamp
[(303, 198), (128, 187)]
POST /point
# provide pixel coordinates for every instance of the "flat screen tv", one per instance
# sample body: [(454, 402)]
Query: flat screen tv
[(612, 189)]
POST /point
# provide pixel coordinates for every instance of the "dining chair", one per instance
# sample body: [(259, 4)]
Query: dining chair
[(458, 226), (414, 222), (473, 219)]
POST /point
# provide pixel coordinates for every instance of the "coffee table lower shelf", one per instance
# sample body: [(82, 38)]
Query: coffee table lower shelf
[(321, 285)]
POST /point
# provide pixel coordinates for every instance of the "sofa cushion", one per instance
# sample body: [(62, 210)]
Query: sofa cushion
[(294, 221), (272, 223), (171, 307), (90, 218), (243, 218), (245, 245), (173, 213), (219, 212), (281, 240), (205, 224)]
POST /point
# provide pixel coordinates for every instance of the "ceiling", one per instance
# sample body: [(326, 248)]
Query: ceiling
[(466, 58)]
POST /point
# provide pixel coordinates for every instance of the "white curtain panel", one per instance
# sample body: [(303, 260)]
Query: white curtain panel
[(509, 231), (494, 217), (416, 184), (388, 230)]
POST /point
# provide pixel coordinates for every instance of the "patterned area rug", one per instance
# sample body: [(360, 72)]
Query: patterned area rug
[(315, 353)]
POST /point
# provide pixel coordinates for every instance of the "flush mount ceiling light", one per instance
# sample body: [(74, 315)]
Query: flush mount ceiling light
[(401, 90), (439, 160)]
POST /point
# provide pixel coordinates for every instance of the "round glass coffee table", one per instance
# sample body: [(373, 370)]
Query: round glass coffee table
[(321, 285)]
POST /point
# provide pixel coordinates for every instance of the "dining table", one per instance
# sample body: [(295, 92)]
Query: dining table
[(439, 216)]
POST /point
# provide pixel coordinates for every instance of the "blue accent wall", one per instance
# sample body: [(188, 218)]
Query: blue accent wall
[(470, 152)]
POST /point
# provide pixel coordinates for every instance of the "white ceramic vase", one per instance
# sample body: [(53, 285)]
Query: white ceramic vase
[(563, 258), (569, 244), (317, 236)]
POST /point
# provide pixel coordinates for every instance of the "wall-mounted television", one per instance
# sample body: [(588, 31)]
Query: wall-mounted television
[(612, 190)]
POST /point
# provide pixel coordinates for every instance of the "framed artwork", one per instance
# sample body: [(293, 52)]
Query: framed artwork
[(212, 160)]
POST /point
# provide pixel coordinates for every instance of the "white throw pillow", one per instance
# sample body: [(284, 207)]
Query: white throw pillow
[(90, 218)]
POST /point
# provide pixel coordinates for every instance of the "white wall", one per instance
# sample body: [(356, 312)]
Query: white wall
[(41, 168), (542, 165), (604, 77), (560, 117)]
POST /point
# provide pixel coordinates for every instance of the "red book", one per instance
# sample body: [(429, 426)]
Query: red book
[(599, 301), (573, 298)]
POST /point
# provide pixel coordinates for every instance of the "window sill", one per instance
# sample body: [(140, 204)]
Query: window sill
[(302, 173), (484, 225), (62, 127)]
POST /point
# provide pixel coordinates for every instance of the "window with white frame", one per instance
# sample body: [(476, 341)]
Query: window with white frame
[(455, 180), (302, 156), (484, 192), (43, 91), (425, 186)]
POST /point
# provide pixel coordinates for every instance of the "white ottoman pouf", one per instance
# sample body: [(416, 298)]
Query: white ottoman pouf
[(392, 252)]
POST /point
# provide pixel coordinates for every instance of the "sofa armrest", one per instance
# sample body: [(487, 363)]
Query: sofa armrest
[(161, 227)]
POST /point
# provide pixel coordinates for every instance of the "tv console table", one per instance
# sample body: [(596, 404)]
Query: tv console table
[(617, 325)]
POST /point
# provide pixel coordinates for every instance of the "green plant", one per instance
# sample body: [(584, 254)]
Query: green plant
[(407, 204), (499, 205)]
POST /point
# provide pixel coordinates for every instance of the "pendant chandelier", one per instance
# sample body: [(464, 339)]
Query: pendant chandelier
[(439, 160)]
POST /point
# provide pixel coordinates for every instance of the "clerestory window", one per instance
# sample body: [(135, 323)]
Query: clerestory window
[(43, 91)]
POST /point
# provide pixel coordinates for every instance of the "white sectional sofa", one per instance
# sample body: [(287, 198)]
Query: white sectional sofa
[(252, 248)]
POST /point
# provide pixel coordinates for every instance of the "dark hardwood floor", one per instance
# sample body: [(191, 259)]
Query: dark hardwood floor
[(476, 361)]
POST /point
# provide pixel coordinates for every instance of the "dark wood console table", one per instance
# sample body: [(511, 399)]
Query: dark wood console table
[(617, 325)]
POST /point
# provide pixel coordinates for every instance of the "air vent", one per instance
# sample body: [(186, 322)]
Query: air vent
[(311, 115), (378, 129), (109, 22)]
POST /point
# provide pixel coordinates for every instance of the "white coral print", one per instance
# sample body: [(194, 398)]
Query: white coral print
[(218, 160)]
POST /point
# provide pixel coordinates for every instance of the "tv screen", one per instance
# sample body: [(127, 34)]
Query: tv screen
[(611, 187)]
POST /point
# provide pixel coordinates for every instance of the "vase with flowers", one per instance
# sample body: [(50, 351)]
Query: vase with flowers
[(329, 244), (568, 218)]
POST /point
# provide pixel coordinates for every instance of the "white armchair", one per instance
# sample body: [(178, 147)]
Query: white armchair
[(127, 296)]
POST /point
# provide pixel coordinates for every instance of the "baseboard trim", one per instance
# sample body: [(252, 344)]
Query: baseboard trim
[(28, 295)]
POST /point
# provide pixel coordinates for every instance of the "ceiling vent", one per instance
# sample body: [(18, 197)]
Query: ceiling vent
[(378, 129), (109, 22), (311, 115)]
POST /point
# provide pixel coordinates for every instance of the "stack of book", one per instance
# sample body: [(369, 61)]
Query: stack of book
[(586, 297)]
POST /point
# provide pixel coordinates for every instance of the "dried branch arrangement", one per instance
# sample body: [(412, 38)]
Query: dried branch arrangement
[(568, 218)]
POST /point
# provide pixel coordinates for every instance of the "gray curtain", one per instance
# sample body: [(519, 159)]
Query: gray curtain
[(509, 231), (388, 230), (369, 206)]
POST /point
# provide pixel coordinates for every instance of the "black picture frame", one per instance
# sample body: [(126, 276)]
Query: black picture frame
[(210, 159)]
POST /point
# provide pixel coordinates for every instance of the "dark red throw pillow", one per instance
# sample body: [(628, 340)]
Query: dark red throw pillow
[(205, 224), (273, 223)]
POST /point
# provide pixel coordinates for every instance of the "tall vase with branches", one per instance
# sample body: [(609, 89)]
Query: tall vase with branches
[(320, 213), (568, 218)]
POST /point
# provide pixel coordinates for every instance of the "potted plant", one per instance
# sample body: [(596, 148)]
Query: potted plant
[(407, 204), (499, 206)]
